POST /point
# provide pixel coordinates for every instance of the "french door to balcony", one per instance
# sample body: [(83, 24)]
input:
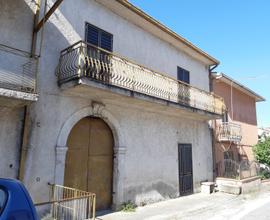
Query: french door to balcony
[(99, 46)]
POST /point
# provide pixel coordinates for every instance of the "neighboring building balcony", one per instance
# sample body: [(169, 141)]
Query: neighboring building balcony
[(229, 131), (17, 77), (84, 63)]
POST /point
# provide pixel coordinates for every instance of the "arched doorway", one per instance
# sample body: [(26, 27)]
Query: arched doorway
[(89, 159)]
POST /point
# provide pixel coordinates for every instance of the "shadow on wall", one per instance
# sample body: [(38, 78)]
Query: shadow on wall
[(16, 16), (10, 136), (59, 34), (142, 195), (16, 25)]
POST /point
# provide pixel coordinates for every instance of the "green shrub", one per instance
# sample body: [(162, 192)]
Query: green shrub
[(262, 151), (128, 207), (264, 173)]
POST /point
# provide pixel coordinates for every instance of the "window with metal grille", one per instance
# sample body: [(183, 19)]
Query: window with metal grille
[(98, 37), (182, 75)]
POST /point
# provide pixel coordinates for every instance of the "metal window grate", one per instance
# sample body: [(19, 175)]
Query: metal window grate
[(17, 69), (237, 170)]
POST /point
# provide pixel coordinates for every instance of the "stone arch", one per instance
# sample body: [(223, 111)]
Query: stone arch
[(96, 110)]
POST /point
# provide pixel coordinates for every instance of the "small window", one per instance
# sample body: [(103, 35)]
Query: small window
[(3, 199), (183, 75), (98, 37)]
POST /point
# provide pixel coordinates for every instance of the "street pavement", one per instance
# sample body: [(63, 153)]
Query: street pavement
[(261, 213), (217, 206)]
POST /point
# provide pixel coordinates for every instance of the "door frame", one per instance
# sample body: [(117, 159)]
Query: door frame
[(120, 148), (179, 169), (90, 121)]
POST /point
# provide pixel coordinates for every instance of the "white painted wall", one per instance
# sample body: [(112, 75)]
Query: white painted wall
[(10, 141), (150, 139), (152, 153), (68, 24), (16, 24)]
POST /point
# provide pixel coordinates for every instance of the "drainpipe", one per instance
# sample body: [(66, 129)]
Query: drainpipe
[(24, 138), (38, 25), (232, 99), (210, 76), (26, 116), (212, 130), (34, 34)]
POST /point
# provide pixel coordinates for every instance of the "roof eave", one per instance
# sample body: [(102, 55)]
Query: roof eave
[(222, 76), (153, 21)]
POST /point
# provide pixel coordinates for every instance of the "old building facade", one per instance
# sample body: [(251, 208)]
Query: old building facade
[(111, 116)]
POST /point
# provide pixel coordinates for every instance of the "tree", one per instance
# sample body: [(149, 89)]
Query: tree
[(262, 151)]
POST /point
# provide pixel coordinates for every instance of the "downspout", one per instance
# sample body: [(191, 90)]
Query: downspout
[(26, 115), (24, 138), (232, 99), (38, 25), (210, 76), (213, 124)]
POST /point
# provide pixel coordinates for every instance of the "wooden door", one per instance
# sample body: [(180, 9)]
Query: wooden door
[(89, 161), (185, 169)]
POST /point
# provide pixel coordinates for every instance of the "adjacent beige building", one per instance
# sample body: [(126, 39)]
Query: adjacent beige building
[(236, 132)]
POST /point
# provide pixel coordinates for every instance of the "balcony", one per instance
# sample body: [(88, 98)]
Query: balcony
[(17, 77), (83, 61), (230, 132)]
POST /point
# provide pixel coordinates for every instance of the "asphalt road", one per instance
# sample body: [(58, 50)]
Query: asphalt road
[(217, 206), (261, 213)]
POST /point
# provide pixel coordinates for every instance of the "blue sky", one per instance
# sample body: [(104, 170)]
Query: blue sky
[(236, 32)]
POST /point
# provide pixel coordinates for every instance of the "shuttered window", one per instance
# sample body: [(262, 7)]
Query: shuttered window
[(98, 37), (183, 75), (106, 41), (92, 35)]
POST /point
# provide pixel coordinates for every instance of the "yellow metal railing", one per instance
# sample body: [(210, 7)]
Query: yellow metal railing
[(86, 60), (70, 204)]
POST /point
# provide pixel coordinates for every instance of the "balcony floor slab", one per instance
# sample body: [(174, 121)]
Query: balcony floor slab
[(116, 95), (11, 98)]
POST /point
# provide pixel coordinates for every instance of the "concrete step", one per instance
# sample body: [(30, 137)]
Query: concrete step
[(230, 188)]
